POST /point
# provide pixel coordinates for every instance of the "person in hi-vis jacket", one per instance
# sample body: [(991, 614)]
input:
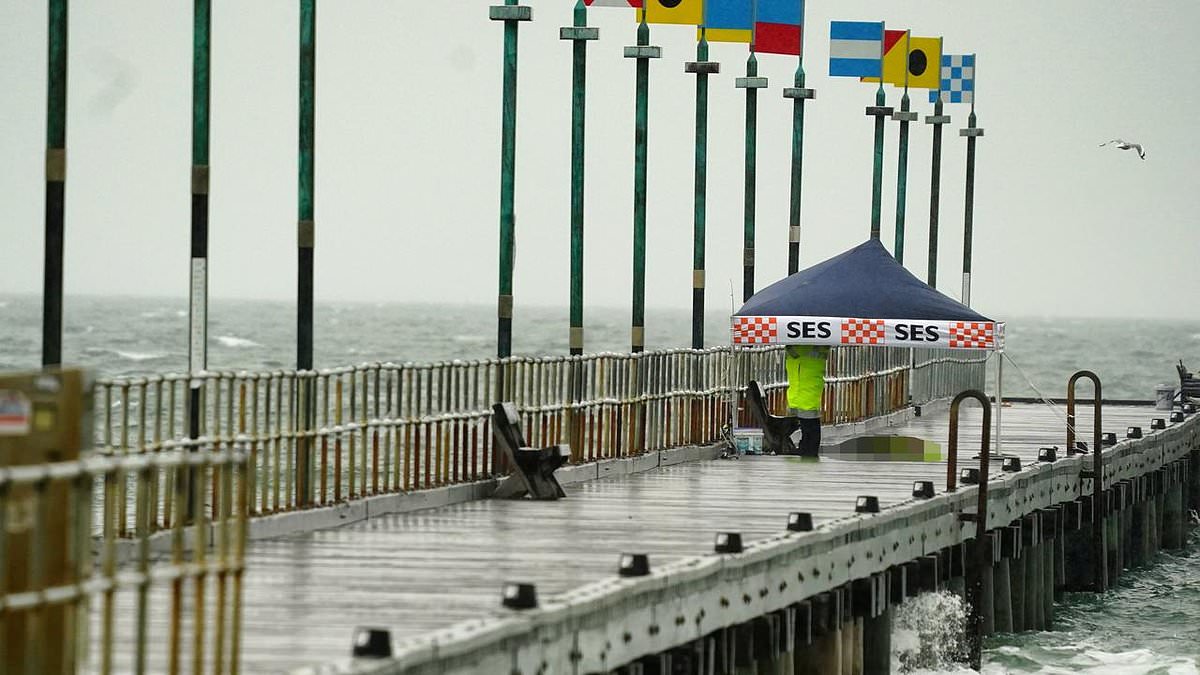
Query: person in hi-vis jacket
[(806, 381)]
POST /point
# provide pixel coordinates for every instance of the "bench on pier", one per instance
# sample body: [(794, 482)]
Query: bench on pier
[(1189, 385), (777, 430), (532, 468)]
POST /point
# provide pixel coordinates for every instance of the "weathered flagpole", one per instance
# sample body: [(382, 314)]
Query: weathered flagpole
[(511, 14), (306, 239), (971, 133), (904, 117), (702, 68), (579, 33), (937, 119), (198, 288), (798, 94), (751, 83), (643, 52), (879, 111), (56, 180)]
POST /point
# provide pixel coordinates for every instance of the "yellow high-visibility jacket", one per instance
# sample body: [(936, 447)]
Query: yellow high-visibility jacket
[(806, 375)]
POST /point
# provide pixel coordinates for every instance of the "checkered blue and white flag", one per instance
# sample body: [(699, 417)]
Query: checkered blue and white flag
[(958, 79)]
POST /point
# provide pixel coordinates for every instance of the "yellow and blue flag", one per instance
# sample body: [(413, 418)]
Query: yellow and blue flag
[(855, 48), (728, 20)]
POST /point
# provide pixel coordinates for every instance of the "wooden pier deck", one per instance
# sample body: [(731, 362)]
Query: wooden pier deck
[(424, 571)]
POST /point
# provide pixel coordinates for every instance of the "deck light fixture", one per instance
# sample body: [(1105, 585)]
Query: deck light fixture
[(867, 504), (1158, 423), (1133, 432), (1109, 439), (1011, 464), (800, 521), (519, 595), (1176, 416), (634, 565), (922, 489), (372, 643), (1049, 454), (968, 476), (728, 542), (1081, 448)]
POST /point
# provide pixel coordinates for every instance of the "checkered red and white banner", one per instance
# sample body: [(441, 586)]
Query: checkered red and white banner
[(822, 330)]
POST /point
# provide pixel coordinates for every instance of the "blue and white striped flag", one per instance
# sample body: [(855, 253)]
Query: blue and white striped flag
[(958, 79), (856, 49)]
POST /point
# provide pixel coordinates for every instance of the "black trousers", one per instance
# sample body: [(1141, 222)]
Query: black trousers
[(810, 437)]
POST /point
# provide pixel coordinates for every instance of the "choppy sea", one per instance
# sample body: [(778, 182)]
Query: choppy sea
[(1149, 623)]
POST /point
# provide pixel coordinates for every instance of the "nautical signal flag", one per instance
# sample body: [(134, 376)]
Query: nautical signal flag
[(687, 12), (855, 48), (923, 55), (613, 3), (777, 26), (958, 79)]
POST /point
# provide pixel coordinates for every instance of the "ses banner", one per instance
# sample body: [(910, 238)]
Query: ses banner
[(818, 330)]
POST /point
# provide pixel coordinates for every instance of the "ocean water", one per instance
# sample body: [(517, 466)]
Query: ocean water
[(1149, 623)]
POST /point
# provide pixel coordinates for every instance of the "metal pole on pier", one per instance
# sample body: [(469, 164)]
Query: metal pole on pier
[(971, 133), (937, 119), (198, 289), (643, 52), (511, 14), (702, 68), (798, 94), (306, 238), (904, 116), (56, 180), (579, 33), (751, 83), (879, 111)]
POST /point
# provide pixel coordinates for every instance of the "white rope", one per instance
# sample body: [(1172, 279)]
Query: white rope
[(1041, 396)]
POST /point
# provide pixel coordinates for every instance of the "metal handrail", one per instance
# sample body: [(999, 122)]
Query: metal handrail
[(1100, 572)]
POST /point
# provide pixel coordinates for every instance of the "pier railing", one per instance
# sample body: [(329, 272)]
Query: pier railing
[(385, 427)]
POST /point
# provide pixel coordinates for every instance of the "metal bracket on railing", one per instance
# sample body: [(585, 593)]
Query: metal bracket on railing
[(533, 468), (983, 545), (1097, 472)]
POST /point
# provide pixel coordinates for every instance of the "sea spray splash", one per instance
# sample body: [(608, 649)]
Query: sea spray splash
[(929, 633)]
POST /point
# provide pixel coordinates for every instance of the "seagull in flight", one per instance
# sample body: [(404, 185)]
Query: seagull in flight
[(1127, 145)]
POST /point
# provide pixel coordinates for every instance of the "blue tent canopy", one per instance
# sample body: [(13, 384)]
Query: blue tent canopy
[(862, 296)]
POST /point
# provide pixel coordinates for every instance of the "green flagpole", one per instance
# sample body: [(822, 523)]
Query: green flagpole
[(579, 33), (879, 111), (702, 68), (306, 240), (643, 52), (511, 14), (751, 83), (904, 116), (56, 183), (971, 133), (937, 120), (799, 94)]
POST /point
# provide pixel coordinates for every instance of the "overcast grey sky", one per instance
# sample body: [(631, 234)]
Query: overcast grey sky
[(407, 173)]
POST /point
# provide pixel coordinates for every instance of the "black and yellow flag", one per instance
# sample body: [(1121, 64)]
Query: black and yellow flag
[(924, 56), (687, 12)]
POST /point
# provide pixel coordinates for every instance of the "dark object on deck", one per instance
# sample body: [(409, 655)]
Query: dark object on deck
[(372, 643), (867, 504), (923, 489), (1080, 448), (1189, 408), (1189, 384), (968, 476), (1158, 423), (634, 565), (1133, 432), (519, 596), (777, 430), (533, 468), (1109, 439), (800, 521), (1010, 464), (728, 542), (1176, 417), (1049, 454)]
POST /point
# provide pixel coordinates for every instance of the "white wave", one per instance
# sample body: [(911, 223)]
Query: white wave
[(233, 341), (139, 356), (469, 338), (180, 312), (151, 315)]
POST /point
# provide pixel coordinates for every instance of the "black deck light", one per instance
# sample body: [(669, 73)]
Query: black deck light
[(728, 542), (1176, 416), (1189, 408), (1080, 448), (519, 595), (969, 476), (1109, 439), (1011, 464), (923, 489), (634, 565), (800, 521), (1158, 423), (867, 504), (1049, 454), (371, 643), (1133, 432)]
